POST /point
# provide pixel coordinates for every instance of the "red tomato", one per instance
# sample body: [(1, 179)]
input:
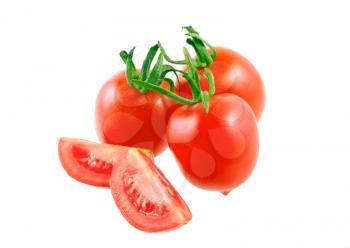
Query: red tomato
[(145, 197), (89, 162), (124, 116), (233, 74), (218, 150)]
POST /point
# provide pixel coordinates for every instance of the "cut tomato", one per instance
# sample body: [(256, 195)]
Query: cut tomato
[(89, 162), (144, 196)]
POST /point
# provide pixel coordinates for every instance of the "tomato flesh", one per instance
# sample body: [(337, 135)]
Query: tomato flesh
[(87, 159), (89, 162), (145, 197)]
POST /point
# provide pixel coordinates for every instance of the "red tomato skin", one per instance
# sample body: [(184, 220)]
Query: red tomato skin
[(215, 151), (124, 116), (234, 74)]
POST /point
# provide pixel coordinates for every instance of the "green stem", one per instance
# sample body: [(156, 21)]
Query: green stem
[(124, 55), (212, 48), (199, 44), (148, 61), (150, 79), (130, 71), (173, 96), (171, 83), (168, 68), (192, 76), (205, 98), (211, 81), (167, 58), (202, 58), (154, 76)]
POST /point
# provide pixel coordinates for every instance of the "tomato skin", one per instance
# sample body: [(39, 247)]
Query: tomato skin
[(233, 74), (215, 151), (145, 197), (124, 116), (89, 162)]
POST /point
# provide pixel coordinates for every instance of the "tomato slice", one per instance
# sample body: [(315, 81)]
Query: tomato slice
[(89, 162), (144, 196)]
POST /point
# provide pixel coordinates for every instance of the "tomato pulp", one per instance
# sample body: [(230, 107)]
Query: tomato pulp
[(145, 197)]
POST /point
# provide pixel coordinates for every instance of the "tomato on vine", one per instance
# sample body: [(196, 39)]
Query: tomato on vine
[(208, 120), (233, 74), (212, 134), (130, 115)]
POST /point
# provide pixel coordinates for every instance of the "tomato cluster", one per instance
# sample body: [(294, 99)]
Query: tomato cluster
[(208, 118), (215, 150)]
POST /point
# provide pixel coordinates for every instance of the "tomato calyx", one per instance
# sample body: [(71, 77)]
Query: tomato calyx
[(204, 58), (150, 79)]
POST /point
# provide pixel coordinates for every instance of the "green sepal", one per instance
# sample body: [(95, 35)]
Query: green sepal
[(176, 98), (154, 76), (167, 58), (192, 75), (205, 100), (171, 84), (211, 81), (148, 61)]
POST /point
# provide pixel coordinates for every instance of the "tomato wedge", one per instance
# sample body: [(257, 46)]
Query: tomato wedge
[(89, 162), (144, 196)]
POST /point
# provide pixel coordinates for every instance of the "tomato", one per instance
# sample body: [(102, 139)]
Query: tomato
[(218, 150), (233, 74), (89, 162), (145, 197), (124, 116)]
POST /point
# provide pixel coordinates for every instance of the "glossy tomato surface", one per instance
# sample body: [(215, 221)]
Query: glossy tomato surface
[(89, 162), (218, 150), (124, 116), (145, 197), (233, 74)]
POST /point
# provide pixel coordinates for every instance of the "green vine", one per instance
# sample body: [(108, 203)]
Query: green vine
[(150, 78)]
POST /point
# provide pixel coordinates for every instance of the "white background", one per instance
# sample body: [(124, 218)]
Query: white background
[(55, 55)]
